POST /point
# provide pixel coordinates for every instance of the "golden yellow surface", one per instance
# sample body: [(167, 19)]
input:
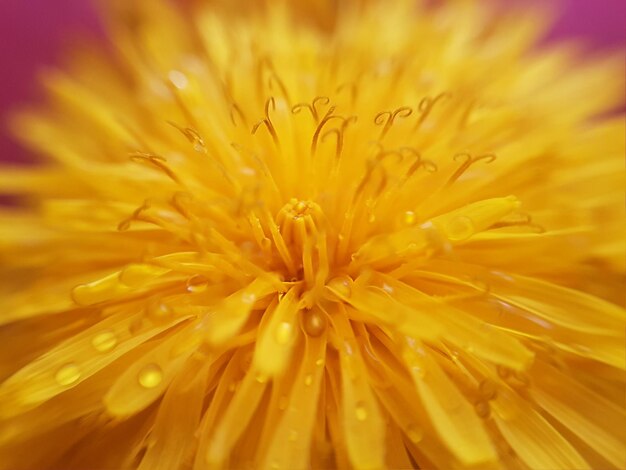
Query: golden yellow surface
[(289, 235)]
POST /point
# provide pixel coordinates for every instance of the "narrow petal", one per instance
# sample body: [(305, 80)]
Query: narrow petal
[(291, 442), (600, 423), (277, 337), (169, 441), (148, 377), (73, 361), (363, 425), (534, 440), (454, 418)]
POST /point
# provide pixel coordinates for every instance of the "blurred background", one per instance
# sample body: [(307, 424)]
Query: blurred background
[(33, 33)]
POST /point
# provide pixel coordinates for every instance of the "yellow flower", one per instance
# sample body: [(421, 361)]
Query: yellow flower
[(298, 235)]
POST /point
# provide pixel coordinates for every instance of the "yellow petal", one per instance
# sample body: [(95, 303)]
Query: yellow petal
[(453, 417), (235, 419), (229, 316), (148, 377), (277, 336), (363, 425), (169, 441), (73, 361), (598, 422), (534, 440), (566, 307), (291, 441)]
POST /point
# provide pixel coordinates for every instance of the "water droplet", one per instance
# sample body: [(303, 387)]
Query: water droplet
[(159, 310), (414, 433), (150, 376), (283, 333), (266, 243), (387, 288), (232, 386), (283, 401), (300, 207), (459, 228), (482, 409), (412, 249), (178, 79), (308, 380), (124, 225), (503, 372), (487, 389), (418, 372), (371, 219), (68, 374), (104, 341), (319, 362), (261, 378), (409, 218), (313, 322), (360, 411), (248, 297), (293, 435), (246, 361), (197, 283), (342, 285), (520, 380)]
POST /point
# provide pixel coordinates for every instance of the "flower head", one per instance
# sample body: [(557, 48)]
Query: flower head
[(368, 234)]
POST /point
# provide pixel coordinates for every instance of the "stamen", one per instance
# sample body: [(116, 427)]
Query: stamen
[(125, 224), (235, 109), (312, 107), (157, 161), (339, 135), (192, 135), (428, 165), (387, 118), (426, 106), (351, 86), (469, 161), (273, 77), (267, 120), (322, 123)]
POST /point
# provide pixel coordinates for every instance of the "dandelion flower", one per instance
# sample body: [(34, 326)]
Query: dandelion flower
[(377, 234)]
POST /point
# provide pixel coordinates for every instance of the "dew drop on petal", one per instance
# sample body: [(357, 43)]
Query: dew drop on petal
[(482, 409), (159, 310), (314, 323), (360, 411), (68, 374), (178, 79), (197, 283), (414, 433), (487, 389), (409, 218), (308, 380), (503, 372), (283, 333), (283, 401), (150, 376), (460, 228), (342, 285), (104, 341), (248, 298)]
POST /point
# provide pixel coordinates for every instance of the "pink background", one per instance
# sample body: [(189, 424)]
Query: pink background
[(33, 32)]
